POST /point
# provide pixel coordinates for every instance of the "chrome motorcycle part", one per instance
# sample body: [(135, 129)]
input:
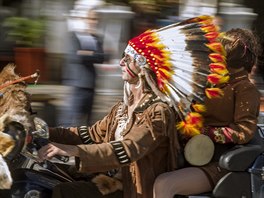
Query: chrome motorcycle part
[(32, 194), (41, 128)]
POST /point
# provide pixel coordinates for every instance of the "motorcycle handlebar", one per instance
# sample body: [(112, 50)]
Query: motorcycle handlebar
[(40, 142)]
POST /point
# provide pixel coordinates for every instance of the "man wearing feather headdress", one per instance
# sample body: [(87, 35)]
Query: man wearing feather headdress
[(228, 120), (168, 74)]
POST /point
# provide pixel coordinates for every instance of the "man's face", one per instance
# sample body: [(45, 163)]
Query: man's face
[(92, 20), (130, 69)]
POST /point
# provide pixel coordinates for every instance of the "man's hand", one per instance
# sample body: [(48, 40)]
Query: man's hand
[(85, 52), (50, 150)]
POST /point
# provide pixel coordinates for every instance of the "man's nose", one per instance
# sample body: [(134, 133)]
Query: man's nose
[(122, 62)]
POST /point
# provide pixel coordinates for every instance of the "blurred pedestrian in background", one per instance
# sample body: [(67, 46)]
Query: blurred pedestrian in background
[(85, 49)]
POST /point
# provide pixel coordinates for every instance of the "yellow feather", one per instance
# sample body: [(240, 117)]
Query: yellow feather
[(199, 108), (188, 130)]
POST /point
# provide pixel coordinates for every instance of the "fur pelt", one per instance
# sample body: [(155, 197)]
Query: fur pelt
[(7, 144), (5, 175), (14, 106), (106, 184)]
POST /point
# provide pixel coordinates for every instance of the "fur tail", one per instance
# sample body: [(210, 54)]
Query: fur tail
[(106, 184)]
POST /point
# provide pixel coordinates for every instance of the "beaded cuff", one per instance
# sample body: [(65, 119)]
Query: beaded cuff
[(220, 135), (120, 152), (84, 135)]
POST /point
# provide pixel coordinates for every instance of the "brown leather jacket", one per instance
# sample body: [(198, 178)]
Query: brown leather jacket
[(231, 119), (149, 146)]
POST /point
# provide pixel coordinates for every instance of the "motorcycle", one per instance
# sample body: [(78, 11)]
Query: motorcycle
[(32, 178), (22, 133)]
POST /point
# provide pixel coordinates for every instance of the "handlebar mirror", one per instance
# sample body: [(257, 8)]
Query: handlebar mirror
[(41, 128)]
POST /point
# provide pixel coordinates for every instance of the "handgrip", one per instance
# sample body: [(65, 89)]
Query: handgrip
[(42, 142), (64, 159)]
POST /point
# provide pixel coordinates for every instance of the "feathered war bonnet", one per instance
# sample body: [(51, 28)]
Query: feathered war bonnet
[(189, 63)]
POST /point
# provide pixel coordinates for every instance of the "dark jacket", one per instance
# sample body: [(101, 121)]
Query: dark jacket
[(79, 70), (232, 119)]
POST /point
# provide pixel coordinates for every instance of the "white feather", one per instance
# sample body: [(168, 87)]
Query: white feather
[(182, 85)]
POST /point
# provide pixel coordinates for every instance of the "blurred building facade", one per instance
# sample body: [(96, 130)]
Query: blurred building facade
[(118, 22)]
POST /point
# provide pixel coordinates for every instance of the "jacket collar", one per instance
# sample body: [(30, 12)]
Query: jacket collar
[(238, 76)]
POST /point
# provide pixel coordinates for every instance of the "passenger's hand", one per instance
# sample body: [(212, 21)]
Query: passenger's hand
[(85, 52), (50, 150)]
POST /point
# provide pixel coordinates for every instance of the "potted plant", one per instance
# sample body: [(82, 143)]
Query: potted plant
[(28, 37)]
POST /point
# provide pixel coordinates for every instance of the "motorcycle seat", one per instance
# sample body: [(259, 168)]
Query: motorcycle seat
[(241, 157), (238, 160)]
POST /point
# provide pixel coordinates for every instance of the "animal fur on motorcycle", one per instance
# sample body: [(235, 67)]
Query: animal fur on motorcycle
[(106, 184), (14, 106), (5, 175)]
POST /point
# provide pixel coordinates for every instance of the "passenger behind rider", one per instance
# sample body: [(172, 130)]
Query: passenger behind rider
[(229, 120)]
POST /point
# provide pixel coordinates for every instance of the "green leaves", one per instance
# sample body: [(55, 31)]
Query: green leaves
[(24, 31)]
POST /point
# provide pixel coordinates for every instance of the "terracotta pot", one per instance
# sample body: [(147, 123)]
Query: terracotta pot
[(29, 60)]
